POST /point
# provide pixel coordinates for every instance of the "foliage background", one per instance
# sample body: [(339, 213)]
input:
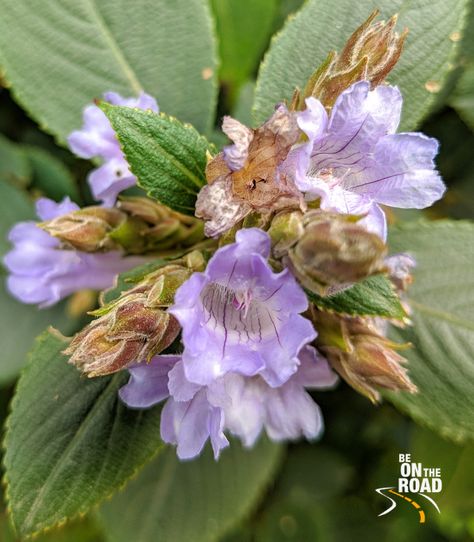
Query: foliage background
[(322, 491)]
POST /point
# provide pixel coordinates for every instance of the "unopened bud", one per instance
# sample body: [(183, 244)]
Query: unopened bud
[(162, 228), (131, 332), (334, 250), (134, 327), (86, 229), (285, 231), (369, 55), (364, 358)]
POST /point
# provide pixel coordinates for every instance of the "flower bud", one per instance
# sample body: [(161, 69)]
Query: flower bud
[(369, 54), (134, 327), (162, 227), (131, 332), (86, 229), (334, 250), (364, 358)]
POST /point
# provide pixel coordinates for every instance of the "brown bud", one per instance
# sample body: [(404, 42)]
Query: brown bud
[(369, 54), (131, 332), (134, 327), (335, 250), (361, 355), (86, 229)]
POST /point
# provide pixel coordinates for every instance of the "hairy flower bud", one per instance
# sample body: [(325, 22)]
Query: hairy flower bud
[(86, 229), (334, 250), (132, 331), (134, 327), (138, 226), (369, 55), (361, 355)]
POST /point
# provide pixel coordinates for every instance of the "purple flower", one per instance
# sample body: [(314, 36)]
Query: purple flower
[(239, 316), (42, 273), (354, 161), (234, 403), (97, 139)]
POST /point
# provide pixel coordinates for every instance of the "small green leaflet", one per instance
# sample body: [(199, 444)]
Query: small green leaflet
[(168, 157), (373, 296)]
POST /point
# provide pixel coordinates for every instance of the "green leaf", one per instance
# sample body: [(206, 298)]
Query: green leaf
[(70, 442), (462, 99), (373, 296), (168, 157), (59, 56), (50, 175), (321, 27), (14, 165), (243, 28), (197, 501), (20, 323), (442, 334)]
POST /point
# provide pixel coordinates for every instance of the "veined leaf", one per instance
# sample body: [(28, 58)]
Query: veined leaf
[(320, 27), (213, 496), (442, 298), (70, 442), (58, 56), (168, 157), (373, 296)]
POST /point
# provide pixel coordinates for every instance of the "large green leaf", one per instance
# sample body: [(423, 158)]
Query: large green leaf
[(60, 55), (195, 501), (20, 323), (70, 442), (373, 296), (243, 28), (320, 27), (442, 298), (14, 165), (168, 157), (50, 175)]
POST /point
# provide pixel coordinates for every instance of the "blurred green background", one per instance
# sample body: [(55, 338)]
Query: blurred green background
[(324, 491)]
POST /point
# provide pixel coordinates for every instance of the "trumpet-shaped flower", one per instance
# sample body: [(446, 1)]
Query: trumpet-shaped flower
[(354, 161), (97, 139), (240, 316)]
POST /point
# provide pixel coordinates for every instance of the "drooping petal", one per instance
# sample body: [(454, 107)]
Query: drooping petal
[(189, 424), (291, 414), (148, 383), (216, 205)]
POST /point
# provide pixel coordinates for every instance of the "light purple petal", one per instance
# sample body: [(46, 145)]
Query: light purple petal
[(189, 425), (291, 413), (47, 209), (148, 383), (180, 388), (402, 173), (108, 180), (281, 354), (314, 371)]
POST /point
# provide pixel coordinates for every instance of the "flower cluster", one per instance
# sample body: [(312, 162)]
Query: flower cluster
[(232, 332), (246, 360)]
